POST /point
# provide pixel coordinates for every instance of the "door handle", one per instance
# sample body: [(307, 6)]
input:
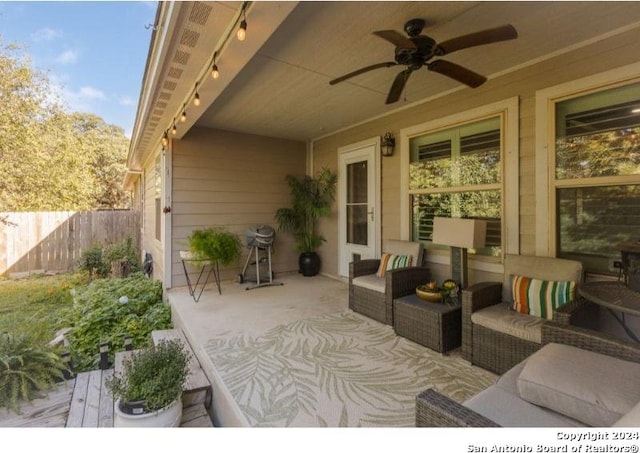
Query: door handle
[(372, 214)]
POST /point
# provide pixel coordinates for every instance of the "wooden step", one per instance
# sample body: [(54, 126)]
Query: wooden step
[(197, 380)]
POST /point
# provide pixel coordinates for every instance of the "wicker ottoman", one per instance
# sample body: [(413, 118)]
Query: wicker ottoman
[(434, 325)]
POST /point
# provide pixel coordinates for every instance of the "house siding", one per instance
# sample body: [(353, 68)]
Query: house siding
[(234, 181), (597, 57), (149, 242)]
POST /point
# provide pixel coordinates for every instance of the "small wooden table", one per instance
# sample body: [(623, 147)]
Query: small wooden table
[(615, 297), (435, 325)]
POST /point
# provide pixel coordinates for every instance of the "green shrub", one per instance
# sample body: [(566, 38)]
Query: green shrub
[(123, 250), (27, 371), (91, 261), (97, 259), (108, 309)]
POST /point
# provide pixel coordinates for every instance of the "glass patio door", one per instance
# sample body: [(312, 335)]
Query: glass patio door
[(359, 213)]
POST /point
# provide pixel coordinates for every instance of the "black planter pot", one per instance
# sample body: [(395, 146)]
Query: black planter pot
[(309, 264)]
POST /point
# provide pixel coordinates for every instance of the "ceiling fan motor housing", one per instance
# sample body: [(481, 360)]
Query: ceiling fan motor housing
[(417, 56)]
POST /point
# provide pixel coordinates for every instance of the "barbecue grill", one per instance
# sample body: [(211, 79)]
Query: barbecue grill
[(260, 240)]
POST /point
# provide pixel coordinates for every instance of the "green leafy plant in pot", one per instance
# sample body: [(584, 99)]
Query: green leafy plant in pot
[(148, 393), (215, 244), (311, 199)]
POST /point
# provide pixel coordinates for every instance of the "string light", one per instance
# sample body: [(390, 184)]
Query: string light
[(242, 30), (196, 97), (214, 69), (215, 74)]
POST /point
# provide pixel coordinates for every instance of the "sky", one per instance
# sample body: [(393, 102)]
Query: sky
[(93, 53)]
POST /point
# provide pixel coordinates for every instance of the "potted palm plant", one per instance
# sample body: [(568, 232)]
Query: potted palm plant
[(148, 393), (311, 199)]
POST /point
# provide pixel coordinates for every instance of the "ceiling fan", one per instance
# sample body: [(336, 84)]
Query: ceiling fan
[(417, 50)]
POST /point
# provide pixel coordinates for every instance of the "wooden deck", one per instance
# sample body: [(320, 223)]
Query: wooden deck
[(85, 402)]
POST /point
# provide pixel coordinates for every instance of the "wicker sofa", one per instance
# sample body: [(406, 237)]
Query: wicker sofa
[(495, 337), (373, 296), (593, 381)]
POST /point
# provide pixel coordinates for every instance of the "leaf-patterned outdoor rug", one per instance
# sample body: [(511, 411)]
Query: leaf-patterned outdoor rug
[(341, 369)]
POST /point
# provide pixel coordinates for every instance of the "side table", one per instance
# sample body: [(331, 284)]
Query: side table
[(435, 325)]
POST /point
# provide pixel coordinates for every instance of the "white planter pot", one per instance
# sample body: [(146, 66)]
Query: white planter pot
[(169, 417)]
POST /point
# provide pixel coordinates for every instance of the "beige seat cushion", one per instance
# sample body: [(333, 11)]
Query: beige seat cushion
[(501, 319), (370, 281), (593, 388)]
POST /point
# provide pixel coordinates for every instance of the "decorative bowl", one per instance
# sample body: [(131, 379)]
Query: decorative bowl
[(427, 294)]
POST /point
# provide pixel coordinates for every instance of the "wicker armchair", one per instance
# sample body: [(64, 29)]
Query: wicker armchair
[(373, 296), (436, 410), (497, 338)]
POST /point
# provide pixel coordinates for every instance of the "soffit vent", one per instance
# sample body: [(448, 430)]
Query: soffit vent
[(174, 73), (155, 118), (164, 96), (200, 13), (168, 85), (161, 105), (181, 57), (158, 111), (189, 38)]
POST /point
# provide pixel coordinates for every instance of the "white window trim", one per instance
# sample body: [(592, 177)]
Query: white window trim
[(545, 149), (509, 109)]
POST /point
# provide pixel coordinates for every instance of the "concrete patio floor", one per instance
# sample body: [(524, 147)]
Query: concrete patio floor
[(241, 311)]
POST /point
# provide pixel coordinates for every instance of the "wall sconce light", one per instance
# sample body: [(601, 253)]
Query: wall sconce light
[(388, 144)]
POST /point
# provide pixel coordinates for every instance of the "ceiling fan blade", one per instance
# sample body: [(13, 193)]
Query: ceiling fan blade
[(387, 64), (398, 85), (457, 72), (479, 38), (395, 38)]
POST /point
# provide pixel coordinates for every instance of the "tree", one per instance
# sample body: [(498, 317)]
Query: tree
[(52, 159)]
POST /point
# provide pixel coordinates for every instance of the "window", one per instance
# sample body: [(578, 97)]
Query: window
[(456, 172), (158, 197), (597, 163)]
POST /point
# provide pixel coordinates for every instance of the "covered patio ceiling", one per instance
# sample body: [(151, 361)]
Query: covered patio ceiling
[(276, 82)]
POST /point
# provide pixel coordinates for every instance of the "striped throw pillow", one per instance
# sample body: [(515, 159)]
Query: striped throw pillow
[(389, 261), (540, 297)]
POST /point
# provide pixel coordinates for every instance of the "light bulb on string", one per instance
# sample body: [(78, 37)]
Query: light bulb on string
[(214, 69), (196, 97), (165, 139), (242, 31), (183, 117), (174, 131)]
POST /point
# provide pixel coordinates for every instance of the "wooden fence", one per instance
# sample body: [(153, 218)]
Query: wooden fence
[(32, 242)]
